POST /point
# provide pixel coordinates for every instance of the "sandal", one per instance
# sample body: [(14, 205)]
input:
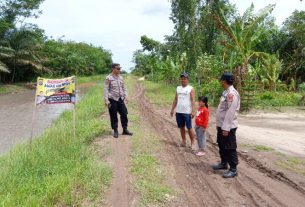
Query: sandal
[(200, 153)]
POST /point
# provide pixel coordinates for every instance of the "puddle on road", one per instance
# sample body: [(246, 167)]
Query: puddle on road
[(16, 111)]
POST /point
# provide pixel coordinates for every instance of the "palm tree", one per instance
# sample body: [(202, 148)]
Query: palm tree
[(241, 37), (5, 52), (21, 48)]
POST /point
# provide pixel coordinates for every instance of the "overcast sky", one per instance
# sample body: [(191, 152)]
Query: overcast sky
[(117, 25)]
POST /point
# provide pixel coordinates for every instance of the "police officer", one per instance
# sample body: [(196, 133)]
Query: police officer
[(226, 124), (115, 94)]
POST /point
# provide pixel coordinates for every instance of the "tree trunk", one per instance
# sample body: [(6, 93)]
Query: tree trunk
[(14, 71)]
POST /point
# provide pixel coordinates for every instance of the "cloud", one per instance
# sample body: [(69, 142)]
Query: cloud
[(116, 25), (156, 8), (283, 8)]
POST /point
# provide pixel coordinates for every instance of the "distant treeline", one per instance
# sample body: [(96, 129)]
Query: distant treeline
[(26, 52), (210, 37)]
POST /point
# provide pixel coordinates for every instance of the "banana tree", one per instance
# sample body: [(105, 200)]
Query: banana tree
[(270, 70), (240, 38)]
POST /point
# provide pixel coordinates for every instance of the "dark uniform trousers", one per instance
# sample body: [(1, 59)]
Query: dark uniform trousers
[(114, 108), (227, 147)]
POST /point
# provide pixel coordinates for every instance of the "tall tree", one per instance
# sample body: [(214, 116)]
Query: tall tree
[(293, 48), (12, 11), (23, 43), (240, 40)]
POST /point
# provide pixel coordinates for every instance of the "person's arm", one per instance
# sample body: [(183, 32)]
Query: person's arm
[(193, 102), (106, 91), (174, 105), (125, 91), (232, 100), (205, 118)]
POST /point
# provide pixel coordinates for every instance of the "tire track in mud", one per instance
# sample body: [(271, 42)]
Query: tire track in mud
[(188, 176), (204, 187)]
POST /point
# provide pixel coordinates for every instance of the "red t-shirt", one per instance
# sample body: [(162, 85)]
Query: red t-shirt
[(202, 117)]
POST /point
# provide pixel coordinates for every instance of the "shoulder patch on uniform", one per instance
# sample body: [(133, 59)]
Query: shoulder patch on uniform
[(230, 97), (107, 81)]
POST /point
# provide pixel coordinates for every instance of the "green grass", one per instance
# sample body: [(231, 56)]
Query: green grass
[(277, 99), (262, 148), (10, 88), (95, 78), (159, 93), (58, 170), (147, 170), (293, 164)]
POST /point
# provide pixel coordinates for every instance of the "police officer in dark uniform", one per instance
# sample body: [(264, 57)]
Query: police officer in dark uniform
[(226, 124)]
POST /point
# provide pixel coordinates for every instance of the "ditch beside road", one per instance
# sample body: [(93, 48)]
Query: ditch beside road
[(16, 111)]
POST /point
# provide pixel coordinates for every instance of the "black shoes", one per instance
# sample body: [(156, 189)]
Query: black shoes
[(220, 166), (115, 133), (230, 174), (126, 132)]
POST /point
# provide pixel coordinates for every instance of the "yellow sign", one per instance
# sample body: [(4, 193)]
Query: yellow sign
[(55, 91)]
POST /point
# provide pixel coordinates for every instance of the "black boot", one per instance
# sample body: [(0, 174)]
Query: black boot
[(220, 166), (126, 132), (230, 173), (115, 133)]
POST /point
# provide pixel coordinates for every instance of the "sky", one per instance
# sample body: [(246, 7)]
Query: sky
[(117, 25)]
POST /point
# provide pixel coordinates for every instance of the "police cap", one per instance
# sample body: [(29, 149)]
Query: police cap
[(228, 77)]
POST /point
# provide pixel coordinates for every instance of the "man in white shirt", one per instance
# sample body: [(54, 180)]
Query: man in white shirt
[(184, 103)]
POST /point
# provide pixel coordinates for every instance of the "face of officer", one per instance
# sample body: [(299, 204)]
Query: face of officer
[(224, 84), (184, 81), (116, 70)]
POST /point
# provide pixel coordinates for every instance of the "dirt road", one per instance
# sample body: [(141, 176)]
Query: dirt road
[(256, 185), (284, 132)]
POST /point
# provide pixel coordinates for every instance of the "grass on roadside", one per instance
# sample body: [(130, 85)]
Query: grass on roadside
[(262, 148), (293, 164), (94, 78), (59, 170), (10, 88), (159, 94), (17, 87), (148, 174)]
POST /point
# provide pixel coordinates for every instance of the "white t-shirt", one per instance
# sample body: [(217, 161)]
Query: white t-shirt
[(184, 104)]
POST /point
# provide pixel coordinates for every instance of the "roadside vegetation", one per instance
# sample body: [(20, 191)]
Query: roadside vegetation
[(9, 88), (149, 174), (294, 164), (211, 37), (159, 93), (26, 52), (59, 170)]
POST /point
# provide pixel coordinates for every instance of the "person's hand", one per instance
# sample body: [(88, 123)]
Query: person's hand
[(126, 100), (172, 113), (203, 129), (193, 114), (225, 133)]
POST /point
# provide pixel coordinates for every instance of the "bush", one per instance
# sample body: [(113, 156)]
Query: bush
[(212, 90), (278, 98)]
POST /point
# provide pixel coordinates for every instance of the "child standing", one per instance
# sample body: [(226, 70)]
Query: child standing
[(202, 119)]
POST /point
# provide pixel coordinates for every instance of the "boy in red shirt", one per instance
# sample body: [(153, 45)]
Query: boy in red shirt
[(202, 119)]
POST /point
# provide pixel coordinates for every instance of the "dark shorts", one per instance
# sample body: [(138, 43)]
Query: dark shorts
[(184, 120)]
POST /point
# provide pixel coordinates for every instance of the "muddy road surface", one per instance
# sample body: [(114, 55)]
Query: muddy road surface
[(256, 184), (16, 111)]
